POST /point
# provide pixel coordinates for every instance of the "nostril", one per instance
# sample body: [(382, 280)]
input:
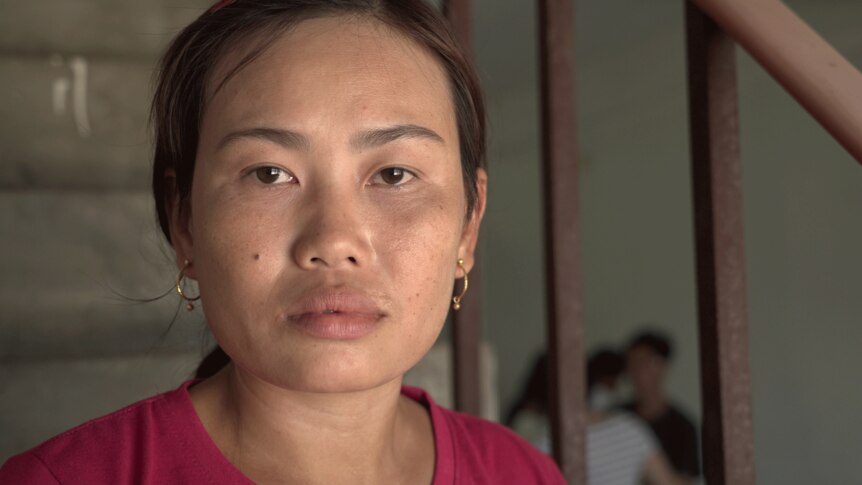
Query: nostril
[(316, 260)]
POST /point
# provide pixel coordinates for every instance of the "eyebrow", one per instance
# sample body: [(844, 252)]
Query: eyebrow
[(285, 138), (361, 141), (381, 136)]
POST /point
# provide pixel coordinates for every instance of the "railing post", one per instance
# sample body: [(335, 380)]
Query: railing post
[(467, 322), (813, 72), (562, 238), (717, 185)]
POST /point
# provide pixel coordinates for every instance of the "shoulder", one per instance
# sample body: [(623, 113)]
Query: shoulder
[(509, 456), (617, 449), (675, 426), (621, 428), (629, 406), (480, 451), (26, 468), (101, 450)]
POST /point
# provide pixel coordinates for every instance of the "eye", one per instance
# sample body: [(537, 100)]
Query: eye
[(393, 176), (274, 175)]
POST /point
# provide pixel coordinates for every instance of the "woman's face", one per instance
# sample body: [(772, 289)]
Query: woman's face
[(328, 208)]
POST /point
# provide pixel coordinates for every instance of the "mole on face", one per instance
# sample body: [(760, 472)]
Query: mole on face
[(256, 256)]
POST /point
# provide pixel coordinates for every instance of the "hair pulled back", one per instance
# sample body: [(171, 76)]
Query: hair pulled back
[(187, 68)]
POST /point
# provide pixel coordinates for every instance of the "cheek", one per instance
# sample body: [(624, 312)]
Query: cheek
[(233, 240), (418, 248), (226, 231), (421, 235)]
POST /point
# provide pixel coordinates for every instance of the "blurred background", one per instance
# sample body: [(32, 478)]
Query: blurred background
[(80, 241)]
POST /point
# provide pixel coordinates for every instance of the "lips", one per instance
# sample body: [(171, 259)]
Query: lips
[(336, 314)]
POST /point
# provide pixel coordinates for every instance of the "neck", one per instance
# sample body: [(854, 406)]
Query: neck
[(651, 406), (278, 435), (594, 416)]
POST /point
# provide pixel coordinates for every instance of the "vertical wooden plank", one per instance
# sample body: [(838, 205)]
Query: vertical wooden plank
[(467, 322), (717, 183), (562, 239)]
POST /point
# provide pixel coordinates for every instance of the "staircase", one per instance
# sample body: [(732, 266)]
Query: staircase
[(80, 242)]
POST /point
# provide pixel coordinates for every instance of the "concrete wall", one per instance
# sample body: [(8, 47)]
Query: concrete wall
[(77, 224), (79, 239)]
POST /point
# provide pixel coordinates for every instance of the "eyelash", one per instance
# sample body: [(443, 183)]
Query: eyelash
[(258, 171), (406, 173), (262, 170)]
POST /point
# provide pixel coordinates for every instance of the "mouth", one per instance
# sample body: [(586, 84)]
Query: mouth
[(336, 314)]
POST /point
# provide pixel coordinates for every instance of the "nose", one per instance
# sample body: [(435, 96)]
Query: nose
[(333, 236)]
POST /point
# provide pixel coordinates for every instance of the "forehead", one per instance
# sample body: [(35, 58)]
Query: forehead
[(641, 351), (346, 66)]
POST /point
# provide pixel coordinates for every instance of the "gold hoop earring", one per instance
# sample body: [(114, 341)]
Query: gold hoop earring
[(456, 300), (180, 277)]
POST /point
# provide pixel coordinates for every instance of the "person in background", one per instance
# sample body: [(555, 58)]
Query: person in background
[(604, 372), (621, 450), (529, 415), (647, 359)]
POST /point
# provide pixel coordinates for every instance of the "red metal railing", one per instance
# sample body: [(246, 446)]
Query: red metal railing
[(813, 72), (562, 238), (467, 322), (821, 80), (725, 380)]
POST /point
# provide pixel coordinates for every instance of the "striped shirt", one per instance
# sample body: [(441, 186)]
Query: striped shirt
[(617, 449)]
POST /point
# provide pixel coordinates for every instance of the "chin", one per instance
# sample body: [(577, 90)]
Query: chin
[(346, 385), (332, 374), (303, 364)]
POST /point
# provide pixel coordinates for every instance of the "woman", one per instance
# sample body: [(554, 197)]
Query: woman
[(318, 171)]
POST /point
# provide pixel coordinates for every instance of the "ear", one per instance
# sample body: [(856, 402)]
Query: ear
[(180, 224), (470, 236)]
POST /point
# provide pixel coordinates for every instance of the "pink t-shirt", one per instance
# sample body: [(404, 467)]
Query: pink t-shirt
[(161, 441)]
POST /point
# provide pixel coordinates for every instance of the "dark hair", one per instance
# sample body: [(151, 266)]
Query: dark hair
[(212, 363), (602, 364), (656, 341), (187, 68), (534, 395)]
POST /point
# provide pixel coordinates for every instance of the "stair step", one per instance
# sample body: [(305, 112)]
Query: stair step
[(41, 399), (68, 256)]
